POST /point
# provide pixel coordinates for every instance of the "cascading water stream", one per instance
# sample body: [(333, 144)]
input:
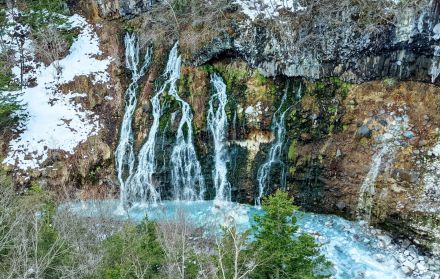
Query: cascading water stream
[(141, 185), (218, 126), (186, 172), (382, 159), (275, 152), (365, 203), (124, 154)]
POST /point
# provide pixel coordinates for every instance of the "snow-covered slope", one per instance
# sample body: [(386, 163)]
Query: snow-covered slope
[(55, 120)]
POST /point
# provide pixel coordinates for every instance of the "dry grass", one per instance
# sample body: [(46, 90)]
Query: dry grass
[(194, 23)]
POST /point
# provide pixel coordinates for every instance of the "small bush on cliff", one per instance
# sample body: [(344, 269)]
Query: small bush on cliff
[(194, 23), (50, 45), (281, 254)]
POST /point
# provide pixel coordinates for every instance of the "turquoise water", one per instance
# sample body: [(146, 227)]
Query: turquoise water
[(352, 248)]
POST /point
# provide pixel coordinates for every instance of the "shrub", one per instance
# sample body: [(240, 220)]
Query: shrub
[(6, 77), (50, 44), (30, 246), (10, 112), (41, 13), (193, 22), (134, 252), (389, 82)]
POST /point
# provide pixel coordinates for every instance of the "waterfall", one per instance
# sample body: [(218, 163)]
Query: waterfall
[(186, 172), (382, 159), (218, 126), (365, 203), (275, 152), (141, 185), (124, 155)]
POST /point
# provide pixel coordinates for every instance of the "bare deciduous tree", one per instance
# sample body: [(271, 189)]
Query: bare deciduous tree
[(234, 259), (174, 236), (50, 45)]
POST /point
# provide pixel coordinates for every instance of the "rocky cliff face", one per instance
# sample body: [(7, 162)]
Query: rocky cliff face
[(362, 130), (340, 45), (318, 43)]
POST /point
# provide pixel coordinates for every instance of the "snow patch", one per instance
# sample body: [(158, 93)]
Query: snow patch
[(405, 26), (431, 179), (249, 110), (268, 8), (435, 69), (55, 121), (436, 150)]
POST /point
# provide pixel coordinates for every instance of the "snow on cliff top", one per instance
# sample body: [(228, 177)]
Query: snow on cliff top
[(267, 8), (270, 8), (55, 120)]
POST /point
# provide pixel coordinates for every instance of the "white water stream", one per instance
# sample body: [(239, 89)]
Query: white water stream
[(218, 126), (381, 160), (275, 152), (124, 154), (186, 172)]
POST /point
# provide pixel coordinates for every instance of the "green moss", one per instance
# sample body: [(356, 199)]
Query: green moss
[(292, 171), (260, 78), (319, 85), (131, 26), (292, 153), (35, 188), (331, 127), (321, 109), (234, 76), (389, 82), (333, 119), (93, 175), (345, 88), (183, 85), (163, 121), (209, 69), (341, 87)]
